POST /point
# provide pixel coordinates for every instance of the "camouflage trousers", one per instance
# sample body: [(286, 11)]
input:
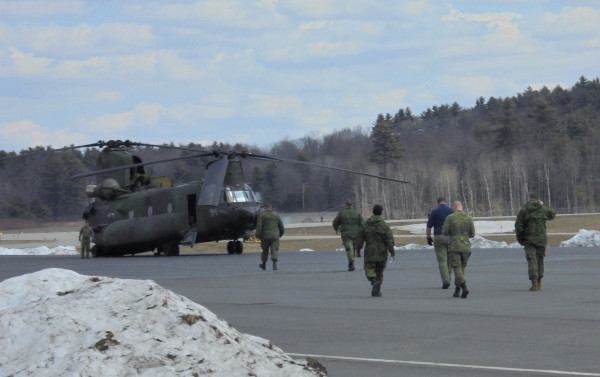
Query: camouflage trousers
[(374, 271), (349, 247), (85, 247), (273, 245), (440, 245), (459, 260), (535, 261)]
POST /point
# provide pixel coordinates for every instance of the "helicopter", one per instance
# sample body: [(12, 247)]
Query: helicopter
[(132, 212)]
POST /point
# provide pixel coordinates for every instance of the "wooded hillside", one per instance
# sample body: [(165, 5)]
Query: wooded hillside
[(489, 156)]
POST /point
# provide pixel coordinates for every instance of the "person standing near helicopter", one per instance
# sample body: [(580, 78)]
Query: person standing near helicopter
[(269, 229), (85, 236)]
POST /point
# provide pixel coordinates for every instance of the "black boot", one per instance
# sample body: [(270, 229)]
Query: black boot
[(445, 285), (274, 265), (456, 292), (465, 290), (376, 290), (351, 266), (262, 265)]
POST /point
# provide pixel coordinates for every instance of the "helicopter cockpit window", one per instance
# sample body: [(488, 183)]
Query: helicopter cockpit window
[(237, 196)]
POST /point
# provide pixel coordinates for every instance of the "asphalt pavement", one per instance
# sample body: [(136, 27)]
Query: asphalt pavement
[(313, 307)]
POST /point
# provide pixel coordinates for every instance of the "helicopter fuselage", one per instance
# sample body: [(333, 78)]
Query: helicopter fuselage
[(164, 218)]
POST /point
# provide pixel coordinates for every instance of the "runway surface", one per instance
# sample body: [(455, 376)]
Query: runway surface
[(313, 307)]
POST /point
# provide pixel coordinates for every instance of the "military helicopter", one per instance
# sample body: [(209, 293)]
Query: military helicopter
[(132, 212)]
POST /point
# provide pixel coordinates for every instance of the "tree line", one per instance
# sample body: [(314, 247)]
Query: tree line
[(489, 156)]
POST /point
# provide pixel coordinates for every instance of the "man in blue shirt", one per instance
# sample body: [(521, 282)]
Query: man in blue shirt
[(440, 244)]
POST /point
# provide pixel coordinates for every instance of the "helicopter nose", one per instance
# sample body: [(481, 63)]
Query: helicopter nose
[(248, 216)]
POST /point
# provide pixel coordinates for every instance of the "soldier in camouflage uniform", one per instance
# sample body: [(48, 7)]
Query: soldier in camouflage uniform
[(269, 229), (349, 222), (379, 241), (530, 228), (459, 227), (85, 236)]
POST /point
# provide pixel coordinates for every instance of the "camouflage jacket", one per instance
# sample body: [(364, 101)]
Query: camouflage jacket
[(378, 237), (531, 223), (86, 231), (348, 222), (269, 225), (459, 227)]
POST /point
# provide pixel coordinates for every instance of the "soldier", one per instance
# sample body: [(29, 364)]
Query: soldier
[(85, 236), (269, 229), (530, 228), (440, 243), (349, 222), (459, 227), (379, 241)]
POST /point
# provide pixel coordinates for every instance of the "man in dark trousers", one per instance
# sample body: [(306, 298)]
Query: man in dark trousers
[(531, 233), (440, 242), (379, 240), (269, 229)]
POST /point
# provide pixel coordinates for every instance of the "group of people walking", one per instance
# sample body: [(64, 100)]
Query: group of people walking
[(448, 230), (452, 230)]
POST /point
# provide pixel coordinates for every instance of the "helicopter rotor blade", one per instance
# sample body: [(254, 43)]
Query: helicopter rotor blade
[(102, 144), (341, 169), (122, 167), (64, 149)]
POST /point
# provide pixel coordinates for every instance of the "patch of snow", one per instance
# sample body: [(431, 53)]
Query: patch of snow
[(41, 250), (585, 238), (56, 322), (481, 227)]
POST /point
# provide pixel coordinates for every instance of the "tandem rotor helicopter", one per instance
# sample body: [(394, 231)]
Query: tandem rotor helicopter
[(132, 212)]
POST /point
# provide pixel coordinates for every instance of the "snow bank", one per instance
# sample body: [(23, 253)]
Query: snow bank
[(585, 238), (42, 250), (58, 323)]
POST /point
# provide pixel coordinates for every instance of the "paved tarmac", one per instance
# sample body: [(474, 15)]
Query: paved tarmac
[(313, 307)]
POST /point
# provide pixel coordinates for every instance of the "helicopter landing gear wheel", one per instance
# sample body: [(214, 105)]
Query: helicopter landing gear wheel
[(97, 251), (239, 246), (170, 249), (230, 247), (235, 247)]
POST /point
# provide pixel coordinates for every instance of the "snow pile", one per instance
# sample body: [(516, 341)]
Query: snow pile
[(479, 242), (42, 250), (56, 322), (585, 238), (412, 246)]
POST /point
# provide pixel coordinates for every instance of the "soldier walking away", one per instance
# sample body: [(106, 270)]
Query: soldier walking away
[(379, 240), (459, 227), (85, 236), (349, 222), (440, 242), (530, 229), (269, 229)]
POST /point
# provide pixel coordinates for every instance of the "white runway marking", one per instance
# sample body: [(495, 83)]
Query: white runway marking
[(448, 365)]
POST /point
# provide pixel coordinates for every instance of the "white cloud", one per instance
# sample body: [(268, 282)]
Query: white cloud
[(26, 132), (24, 64), (503, 30), (574, 20), (141, 116)]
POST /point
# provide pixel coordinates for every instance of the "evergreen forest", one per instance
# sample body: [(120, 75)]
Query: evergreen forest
[(490, 157)]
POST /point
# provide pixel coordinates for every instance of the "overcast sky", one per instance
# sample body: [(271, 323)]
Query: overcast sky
[(256, 72)]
